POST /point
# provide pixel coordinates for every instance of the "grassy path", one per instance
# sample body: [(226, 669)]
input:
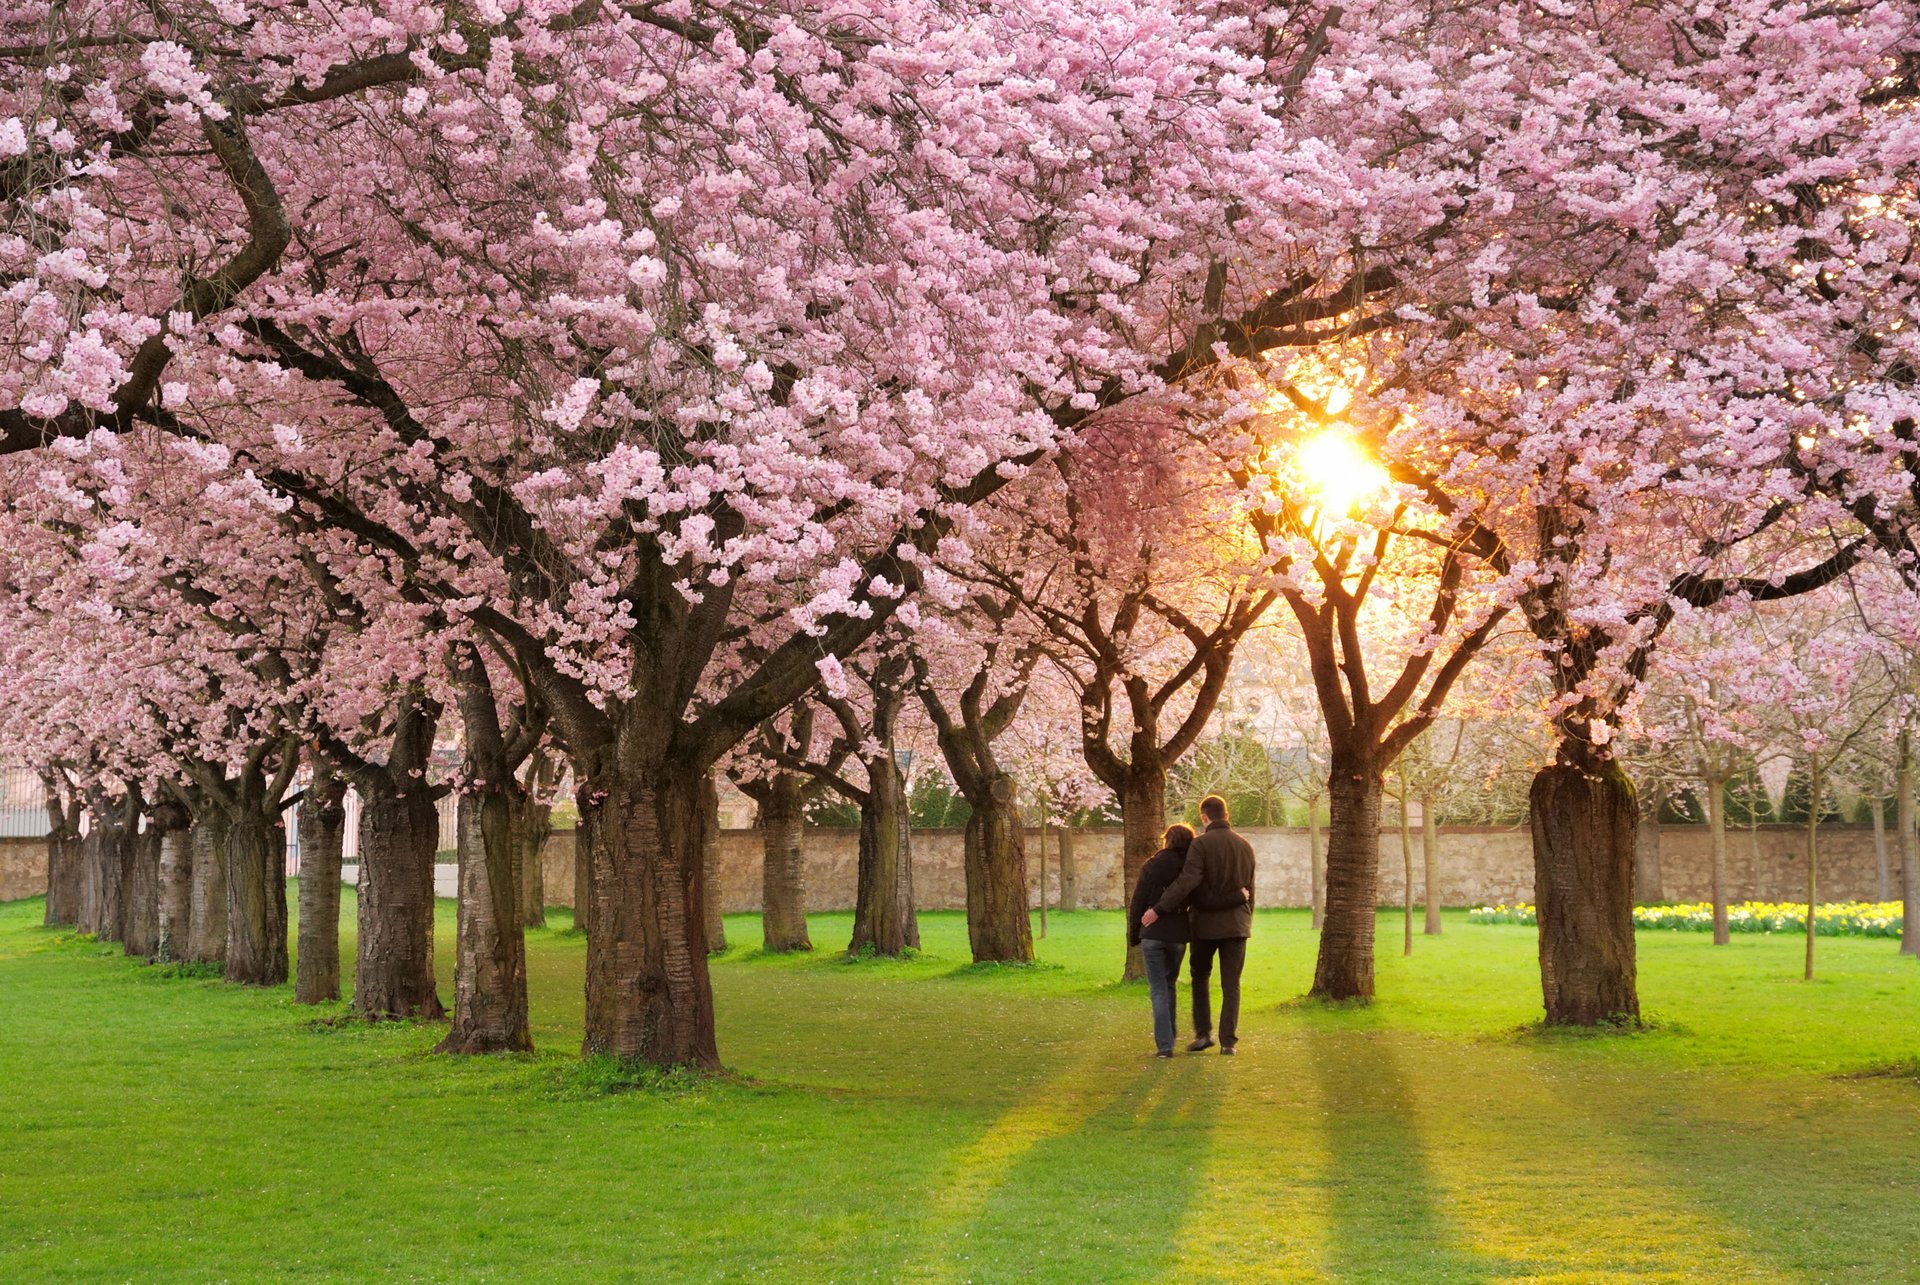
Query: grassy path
[(928, 1121)]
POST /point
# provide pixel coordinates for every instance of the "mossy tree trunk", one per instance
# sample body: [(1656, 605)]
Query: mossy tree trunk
[(207, 906), (64, 873), (783, 879), (490, 954), (174, 911), (1584, 818), (323, 835), (399, 835), (140, 889)]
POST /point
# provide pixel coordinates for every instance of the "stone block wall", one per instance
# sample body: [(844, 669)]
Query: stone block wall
[(1478, 865), (23, 868)]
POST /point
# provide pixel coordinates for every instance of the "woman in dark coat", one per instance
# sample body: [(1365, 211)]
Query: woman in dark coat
[(1163, 944)]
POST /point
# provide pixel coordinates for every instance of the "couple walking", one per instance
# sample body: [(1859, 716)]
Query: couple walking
[(1196, 889)]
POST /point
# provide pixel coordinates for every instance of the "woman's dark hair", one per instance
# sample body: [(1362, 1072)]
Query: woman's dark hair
[(1177, 837)]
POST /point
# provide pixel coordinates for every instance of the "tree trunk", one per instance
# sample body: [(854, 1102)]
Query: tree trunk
[(490, 953), (1583, 831), (648, 994), (102, 864), (207, 908), (1909, 853), (1882, 868), (64, 870), (1344, 969), (1430, 860), (712, 903), (532, 823), (588, 806), (1717, 843), (996, 868), (1069, 871), (256, 895), (175, 916), (393, 968), (1043, 866), (323, 836), (884, 921), (783, 880), (1143, 822), (1813, 852), (140, 892), (1316, 865), (1406, 875)]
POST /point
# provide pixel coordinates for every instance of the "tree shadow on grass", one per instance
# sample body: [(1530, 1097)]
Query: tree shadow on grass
[(1384, 1221), (1803, 1178), (1097, 1191)]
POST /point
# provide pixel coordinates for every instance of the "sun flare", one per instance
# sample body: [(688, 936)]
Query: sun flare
[(1339, 471)]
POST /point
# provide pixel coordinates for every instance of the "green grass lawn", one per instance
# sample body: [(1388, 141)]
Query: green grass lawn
[(927, 1121)]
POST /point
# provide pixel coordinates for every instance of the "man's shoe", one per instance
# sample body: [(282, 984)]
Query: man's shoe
[(1226, 1050), (1200, 1043), (1163, 1053)]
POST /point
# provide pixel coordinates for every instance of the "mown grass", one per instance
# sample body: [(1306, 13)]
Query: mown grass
[(925, 1120)]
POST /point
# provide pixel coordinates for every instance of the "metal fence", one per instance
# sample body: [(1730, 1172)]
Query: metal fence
[(23, 804)]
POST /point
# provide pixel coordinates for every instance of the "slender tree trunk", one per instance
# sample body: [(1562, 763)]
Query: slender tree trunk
[(996, 868), (588, 805), (1069, 870), (1344, 969), (1909, 853), (1753, 848), (1717, 837), (1430, 859), (1406, 875), (713, 906), (648, 994), (1043, 866), (1583, 831), (323, 836), (393, 967), (207, 909), (783, 880), (256, 894), (883, 917), (1143, 820), (1882, 868), (490, 955), (175, 910), (1317, 865), (532, 822), (1813, 854), (140, 892)]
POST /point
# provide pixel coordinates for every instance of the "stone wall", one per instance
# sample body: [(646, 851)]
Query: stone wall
[(23, 868), (1478, 865)]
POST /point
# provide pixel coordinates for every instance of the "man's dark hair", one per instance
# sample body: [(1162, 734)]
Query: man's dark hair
[(1213, 808)]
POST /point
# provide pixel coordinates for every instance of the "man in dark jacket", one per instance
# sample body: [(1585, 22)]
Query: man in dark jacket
[(1219, 865)]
